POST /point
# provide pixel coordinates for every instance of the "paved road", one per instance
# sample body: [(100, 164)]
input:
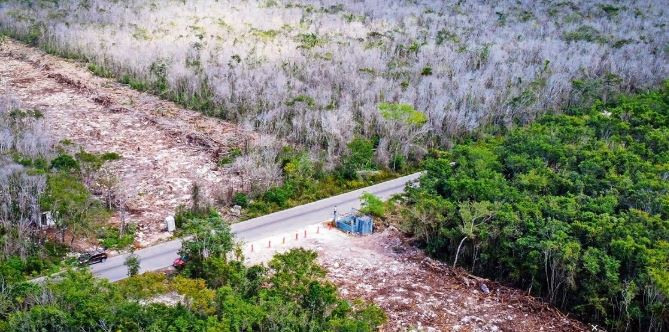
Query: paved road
[(162, 255)]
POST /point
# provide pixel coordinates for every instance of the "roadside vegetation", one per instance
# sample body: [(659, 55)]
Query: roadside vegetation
[(306, 180), (573, 208), (43, 181), (214, 292)]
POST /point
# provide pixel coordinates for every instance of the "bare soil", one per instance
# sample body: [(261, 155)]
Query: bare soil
[(417, 292), (165, 148)]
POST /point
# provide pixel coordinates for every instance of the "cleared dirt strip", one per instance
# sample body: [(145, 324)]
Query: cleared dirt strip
[(164, 147)]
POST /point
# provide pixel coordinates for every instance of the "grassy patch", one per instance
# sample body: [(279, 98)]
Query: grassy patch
[(111, 237), (100, 71)]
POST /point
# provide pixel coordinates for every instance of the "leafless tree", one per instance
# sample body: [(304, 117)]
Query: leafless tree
[(20, 132), (259, 169)]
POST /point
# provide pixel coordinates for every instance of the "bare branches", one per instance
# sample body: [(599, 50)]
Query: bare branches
[(464, 65), (258, 169), (20, 132)]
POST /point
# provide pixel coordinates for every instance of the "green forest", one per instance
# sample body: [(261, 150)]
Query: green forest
[(573, 208)]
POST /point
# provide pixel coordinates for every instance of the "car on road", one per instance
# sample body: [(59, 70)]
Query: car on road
[(94, 257)]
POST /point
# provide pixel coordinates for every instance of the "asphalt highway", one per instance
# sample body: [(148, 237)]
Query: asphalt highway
[(162, 255)]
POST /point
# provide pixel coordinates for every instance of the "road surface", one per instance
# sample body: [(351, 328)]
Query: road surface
[(162, 255)]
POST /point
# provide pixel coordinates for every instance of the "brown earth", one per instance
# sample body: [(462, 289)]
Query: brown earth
[(164, 148)]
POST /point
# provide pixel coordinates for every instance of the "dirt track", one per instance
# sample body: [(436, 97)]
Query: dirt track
[(164, 147)]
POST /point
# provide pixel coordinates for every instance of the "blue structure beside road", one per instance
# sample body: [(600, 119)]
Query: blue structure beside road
[(355, 224)]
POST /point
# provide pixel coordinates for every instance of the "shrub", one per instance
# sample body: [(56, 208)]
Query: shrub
[(185, 214), (143, 286), (266, 34), (372, 205), (610, 10), (110, 156), (278, 195), (525, 16), (158, 72), (308, 40), (398, 163), (13, 269), (360, 157), (34, 35), (300, 170), (309, 101), (17, 115), (258, 208), (240, 199), (45, 261), (65, 162), (230, 157), (198, 297), (133, 82), (41, 164), (445, 35), (111, 238), (132, 263)]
